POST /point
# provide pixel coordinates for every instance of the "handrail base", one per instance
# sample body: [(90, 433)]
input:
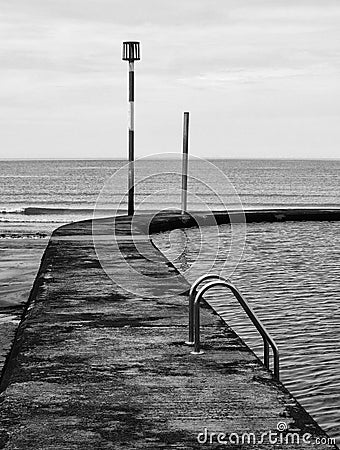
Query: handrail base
[(197, 353)]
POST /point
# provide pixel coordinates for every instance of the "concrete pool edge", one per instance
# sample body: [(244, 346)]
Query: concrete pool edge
[(44, 277)]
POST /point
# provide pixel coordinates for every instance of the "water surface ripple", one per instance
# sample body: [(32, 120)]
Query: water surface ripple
[(289, 273)]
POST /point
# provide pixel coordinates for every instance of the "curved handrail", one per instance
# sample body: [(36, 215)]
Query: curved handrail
[(267, 339), (192, 295)]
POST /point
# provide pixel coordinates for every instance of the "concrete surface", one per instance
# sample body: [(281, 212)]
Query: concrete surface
[(94, 366)]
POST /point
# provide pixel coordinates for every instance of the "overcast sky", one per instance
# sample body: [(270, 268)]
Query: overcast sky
[(259, 77)]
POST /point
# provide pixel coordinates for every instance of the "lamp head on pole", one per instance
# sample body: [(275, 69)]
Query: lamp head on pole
[(131, 51)]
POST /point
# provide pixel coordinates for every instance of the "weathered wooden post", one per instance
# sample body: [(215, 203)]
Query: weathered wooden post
[(185, 162), (131, 53)]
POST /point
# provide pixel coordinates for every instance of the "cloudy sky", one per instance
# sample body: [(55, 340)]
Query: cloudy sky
[(259, 77)]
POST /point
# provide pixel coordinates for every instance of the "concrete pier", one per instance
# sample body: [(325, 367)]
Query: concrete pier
[(94, 366)]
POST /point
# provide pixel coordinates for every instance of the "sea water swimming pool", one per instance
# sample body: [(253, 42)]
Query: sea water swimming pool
[(289, 273), (291, 266)]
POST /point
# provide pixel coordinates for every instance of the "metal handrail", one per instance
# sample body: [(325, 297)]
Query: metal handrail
[(267, 339), (192, 295)]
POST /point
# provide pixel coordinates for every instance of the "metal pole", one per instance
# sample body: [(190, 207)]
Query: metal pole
[(185, 162), (131, 53), (266, 353), (131, 207)]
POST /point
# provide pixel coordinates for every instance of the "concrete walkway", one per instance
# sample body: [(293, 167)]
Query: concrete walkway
[(96, 367)]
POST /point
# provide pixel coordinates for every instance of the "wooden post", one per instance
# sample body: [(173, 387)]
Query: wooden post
[(185, 162)]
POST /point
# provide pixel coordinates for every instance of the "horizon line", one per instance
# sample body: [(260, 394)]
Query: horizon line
[(179, 157)]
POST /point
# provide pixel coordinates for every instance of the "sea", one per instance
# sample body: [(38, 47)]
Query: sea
[(288, 271)]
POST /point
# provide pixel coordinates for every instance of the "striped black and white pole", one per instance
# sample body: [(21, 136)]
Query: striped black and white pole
[(131, 53), (131, 207)]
